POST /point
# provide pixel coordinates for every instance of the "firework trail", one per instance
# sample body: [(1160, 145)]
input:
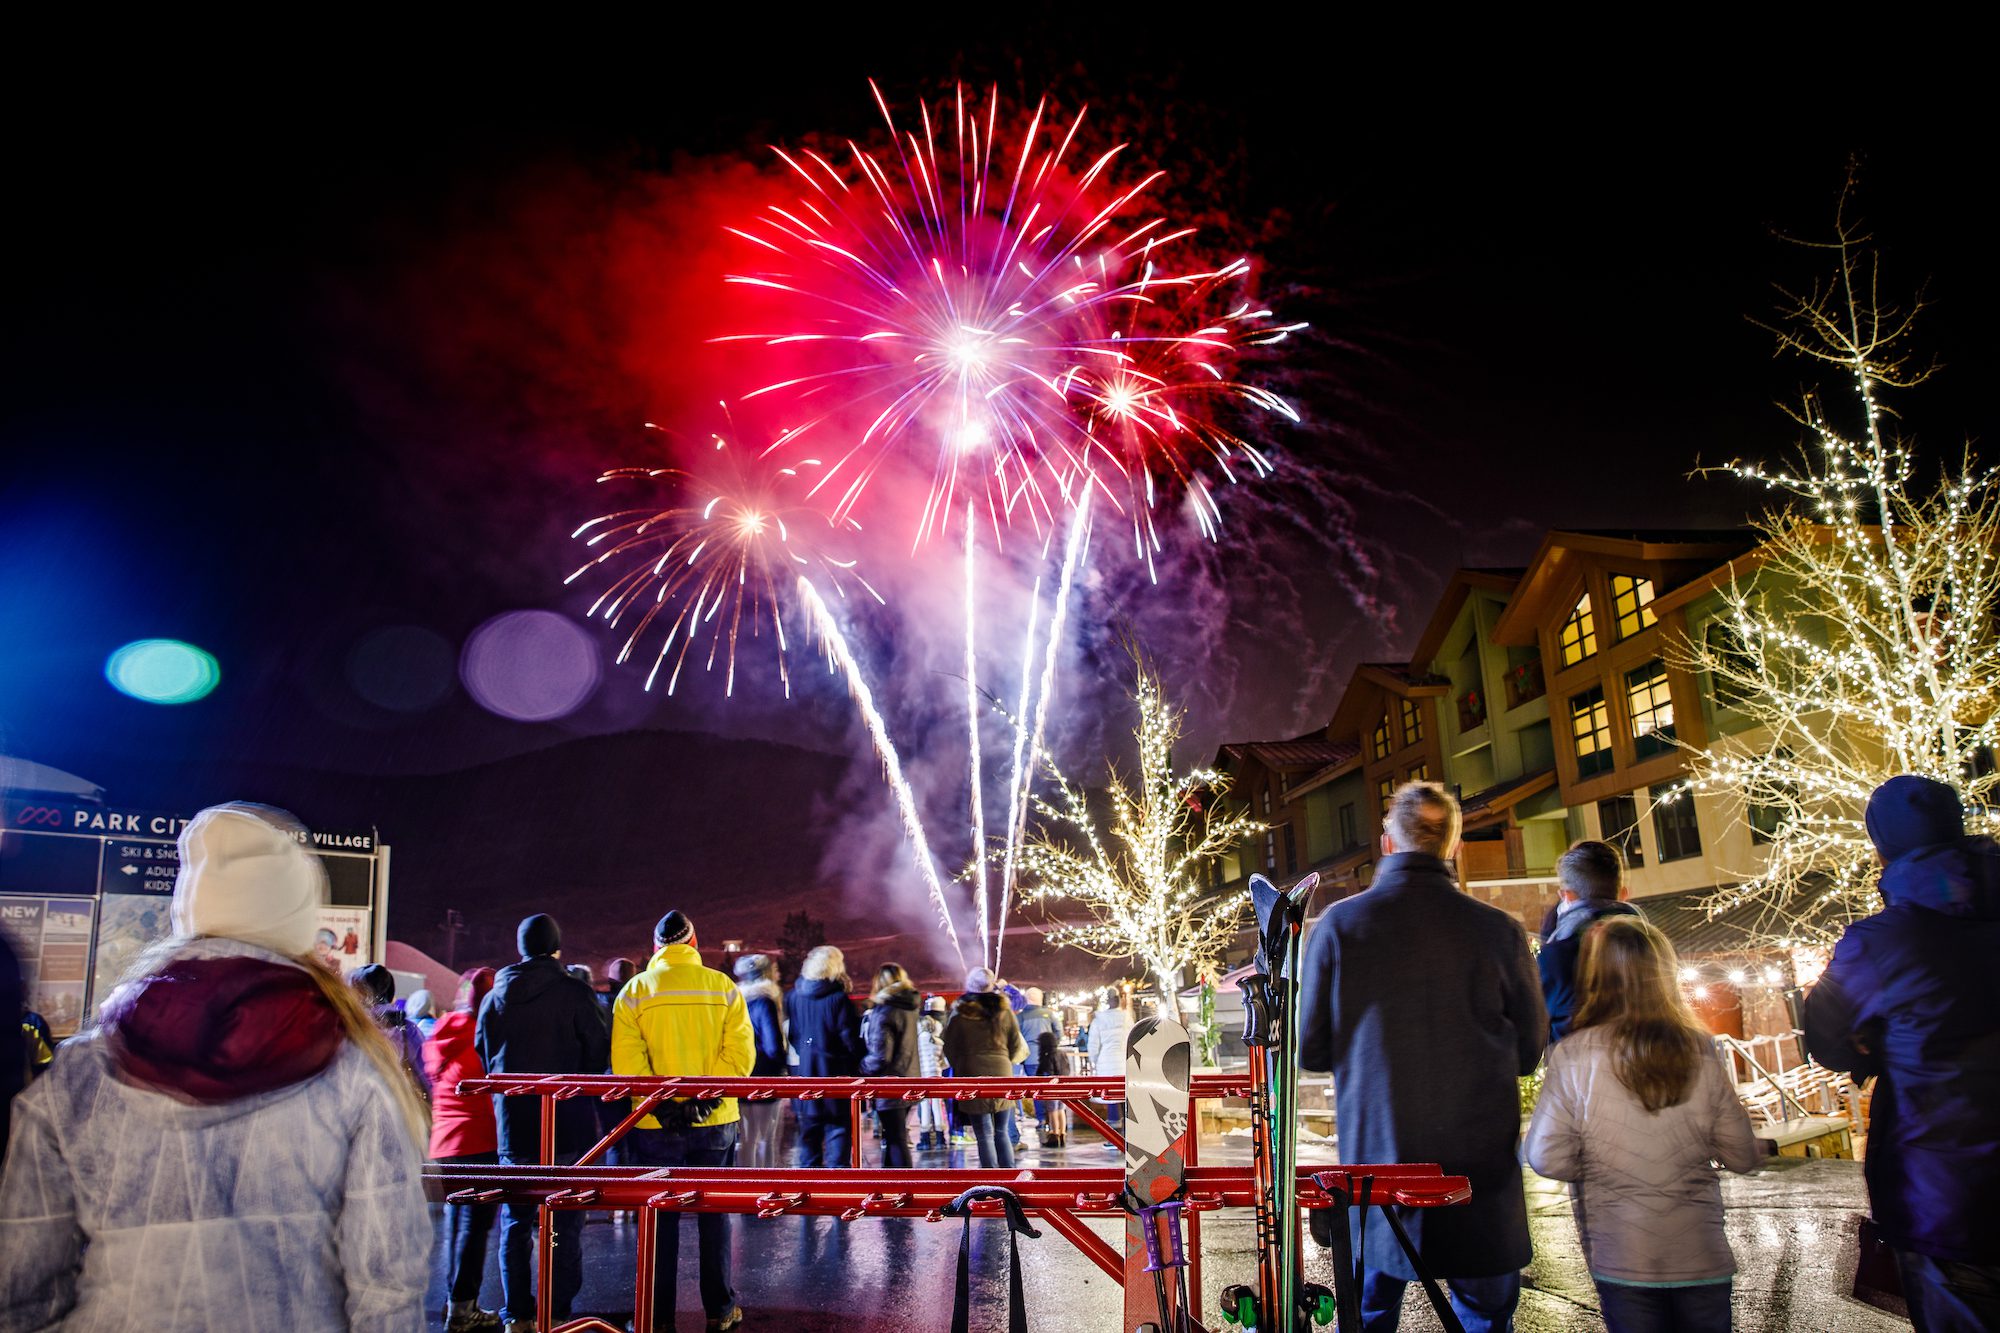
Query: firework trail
[(1015, 326), (712, 564), (1079, 539), (1020, 728), (828, 630), (972, 711)]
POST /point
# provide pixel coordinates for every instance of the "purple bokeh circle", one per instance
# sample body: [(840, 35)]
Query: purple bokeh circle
[(531, 666)]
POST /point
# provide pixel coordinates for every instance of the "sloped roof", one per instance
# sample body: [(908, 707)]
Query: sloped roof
[(1502, 796), (1746, 928), (1302, 753)]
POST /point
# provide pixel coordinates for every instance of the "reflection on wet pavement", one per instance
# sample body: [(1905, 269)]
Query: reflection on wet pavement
[(1791, 1225)]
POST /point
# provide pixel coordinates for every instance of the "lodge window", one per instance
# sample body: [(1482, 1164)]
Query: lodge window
[(1291, 851), (1590, 729), (1381, 740), (1349, 837), (1652, 708), (1618, 824), (1421, 773), (1413, 722), (1386, 789), (1578, 639), (1632, 604), (1675, 828)]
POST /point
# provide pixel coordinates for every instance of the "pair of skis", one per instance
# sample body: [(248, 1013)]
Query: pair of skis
[(1282, 1301), (1158, 1062)]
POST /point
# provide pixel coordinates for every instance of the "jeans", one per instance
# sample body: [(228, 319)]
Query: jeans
[(991, 1136), (517, 1253), (711, 1145), (824, 1131), (1703, 1308), (1947, 1296), (1483, 1304), (468, 1227), (895, 1134)]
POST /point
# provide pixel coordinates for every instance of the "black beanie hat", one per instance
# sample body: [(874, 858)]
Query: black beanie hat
[(674, 928), (376, 983), (538, 935)]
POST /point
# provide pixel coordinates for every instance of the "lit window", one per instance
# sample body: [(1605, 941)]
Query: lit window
[(1413, 722), (1618, 824), (1382, 738), (1652, 709), (1386, 789), (1632, 604), (1590, 728), (1270, 849), (1578, 639), (1421, 773), (1674, 825)]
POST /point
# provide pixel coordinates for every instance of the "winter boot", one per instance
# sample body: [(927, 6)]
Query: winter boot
[(467, 1317)]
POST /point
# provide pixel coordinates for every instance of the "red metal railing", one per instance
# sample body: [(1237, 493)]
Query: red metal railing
[(648, 1093), (1061, 1196)]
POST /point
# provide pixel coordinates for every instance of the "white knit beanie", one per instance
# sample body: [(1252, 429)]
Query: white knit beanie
[(244, 876)]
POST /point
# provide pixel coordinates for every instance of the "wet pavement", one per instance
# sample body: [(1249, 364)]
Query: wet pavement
[(1791, 1225)]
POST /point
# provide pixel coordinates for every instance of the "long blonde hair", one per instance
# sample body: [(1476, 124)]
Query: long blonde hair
[(357, 1024), (1630, 982)]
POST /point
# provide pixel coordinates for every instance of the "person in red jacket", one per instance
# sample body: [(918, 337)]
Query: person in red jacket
[(463, 1130)]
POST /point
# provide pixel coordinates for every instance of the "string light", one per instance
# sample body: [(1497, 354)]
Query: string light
[(1865, 645), (1142, 887)]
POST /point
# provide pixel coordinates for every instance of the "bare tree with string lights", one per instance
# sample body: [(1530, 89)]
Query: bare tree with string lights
[(1142, 883), (1862, 643)]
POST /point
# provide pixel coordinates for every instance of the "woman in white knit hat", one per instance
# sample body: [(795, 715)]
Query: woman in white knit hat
[(234, 1143)]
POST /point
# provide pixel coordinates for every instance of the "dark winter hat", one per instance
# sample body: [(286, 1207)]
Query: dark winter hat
[(1909, 812), (674, 928), (538, 935), (376, 983)]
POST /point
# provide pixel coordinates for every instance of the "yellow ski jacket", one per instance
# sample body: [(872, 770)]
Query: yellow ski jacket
[(680, 1019)]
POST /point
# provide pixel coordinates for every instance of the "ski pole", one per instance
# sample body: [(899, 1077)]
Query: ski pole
[(1149, 1222)]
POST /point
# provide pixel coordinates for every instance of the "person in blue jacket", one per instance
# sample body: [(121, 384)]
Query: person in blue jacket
[(1592, 875), (1912, 997)]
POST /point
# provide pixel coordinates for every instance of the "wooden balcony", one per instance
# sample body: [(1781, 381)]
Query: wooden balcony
[(1525, 683)]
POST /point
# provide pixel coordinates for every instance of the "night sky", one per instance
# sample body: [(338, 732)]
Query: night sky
[(336, 338)]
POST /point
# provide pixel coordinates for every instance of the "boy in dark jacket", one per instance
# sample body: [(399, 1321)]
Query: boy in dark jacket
[(541, 1020), (1592, 875), (1912, 996)]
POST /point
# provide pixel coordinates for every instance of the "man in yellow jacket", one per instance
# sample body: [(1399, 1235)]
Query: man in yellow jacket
[(680, 1019)]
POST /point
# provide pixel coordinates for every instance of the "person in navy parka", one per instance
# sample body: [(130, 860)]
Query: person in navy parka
[(1912, 997)]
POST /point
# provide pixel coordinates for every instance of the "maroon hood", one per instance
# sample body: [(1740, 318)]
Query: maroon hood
[(211, 1030)]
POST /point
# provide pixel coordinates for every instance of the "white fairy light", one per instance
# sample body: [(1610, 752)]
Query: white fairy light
[(1865, 643), (1142, 887)]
